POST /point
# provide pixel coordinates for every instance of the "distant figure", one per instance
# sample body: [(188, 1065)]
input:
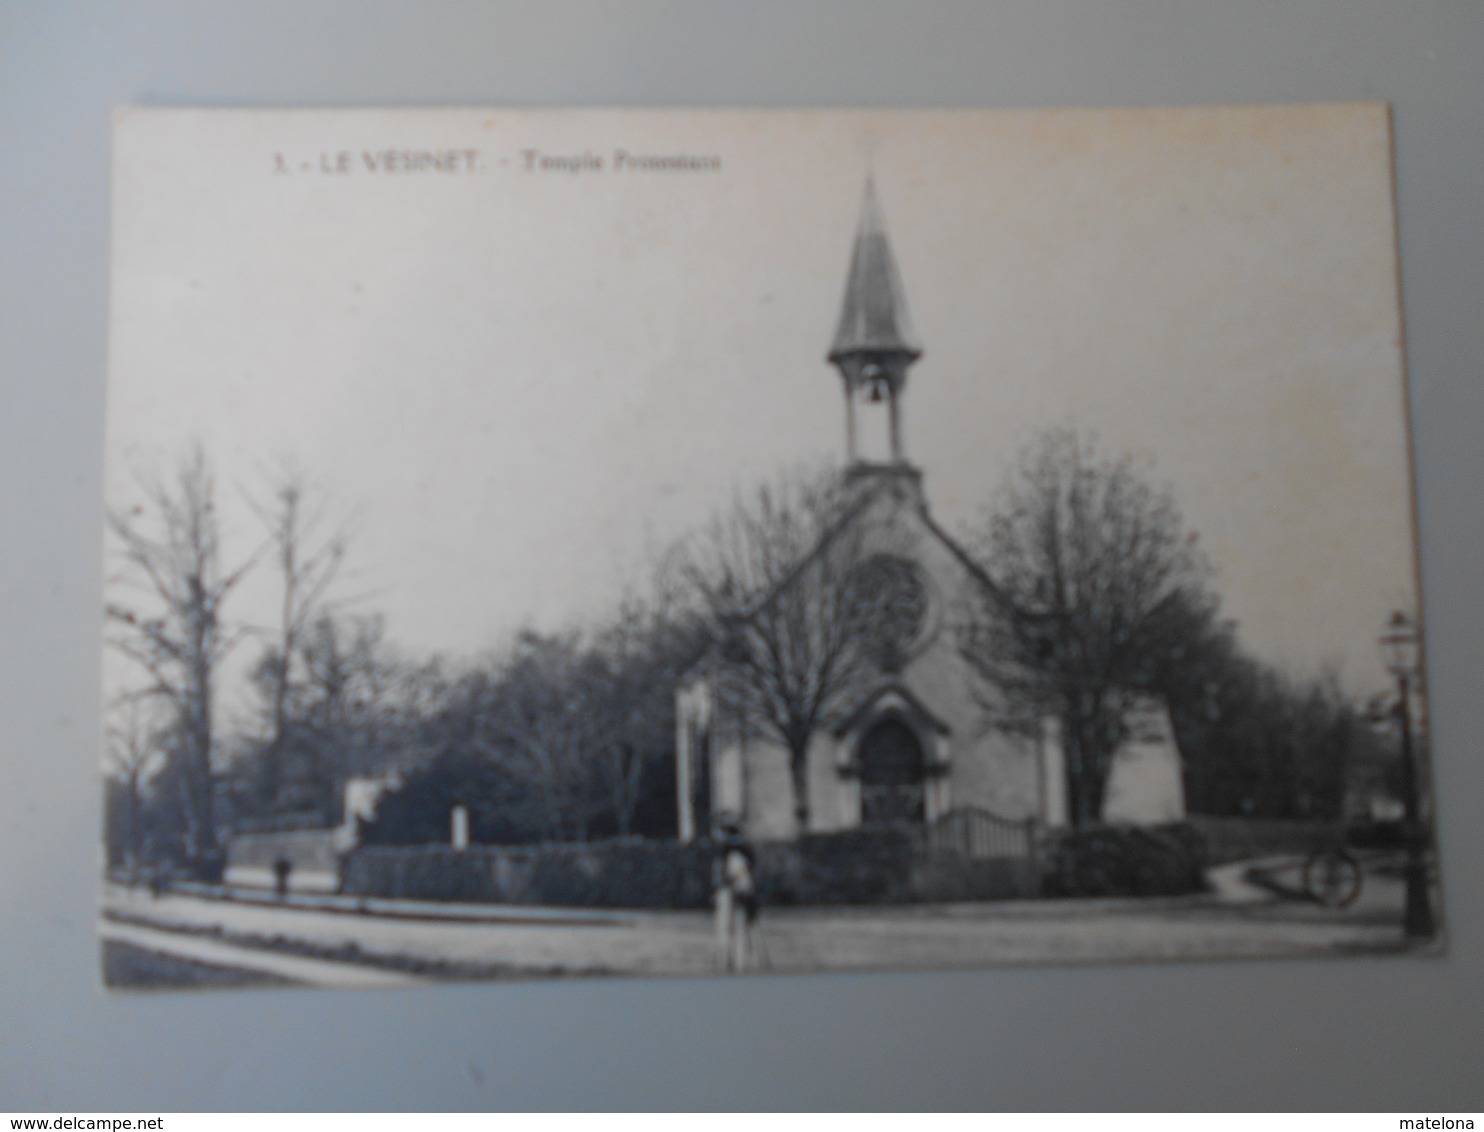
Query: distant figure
[(735, 882), (282, 866)]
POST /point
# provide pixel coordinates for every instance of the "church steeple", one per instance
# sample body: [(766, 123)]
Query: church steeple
[(874, 344)]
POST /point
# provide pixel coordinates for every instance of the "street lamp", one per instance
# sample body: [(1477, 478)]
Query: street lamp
[(1401, 650)]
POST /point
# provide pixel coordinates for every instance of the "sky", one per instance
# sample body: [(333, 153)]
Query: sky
[(525, 354)]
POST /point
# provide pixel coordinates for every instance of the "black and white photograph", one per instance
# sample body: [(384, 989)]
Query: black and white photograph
[(713, 543)]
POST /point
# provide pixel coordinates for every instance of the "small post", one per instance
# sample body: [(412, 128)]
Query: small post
[(459, 834)]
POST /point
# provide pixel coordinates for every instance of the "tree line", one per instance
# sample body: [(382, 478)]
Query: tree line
[(557, 736), (1091, 593)]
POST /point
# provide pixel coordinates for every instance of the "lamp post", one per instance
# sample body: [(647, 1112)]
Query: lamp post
[(1400, 648)]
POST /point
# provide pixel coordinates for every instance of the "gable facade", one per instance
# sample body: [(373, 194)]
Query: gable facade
[(915, 744)]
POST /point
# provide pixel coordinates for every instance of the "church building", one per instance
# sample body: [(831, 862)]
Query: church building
[(916, 742)]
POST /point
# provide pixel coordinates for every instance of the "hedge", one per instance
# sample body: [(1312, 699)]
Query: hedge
[(615, 874), (854, 867), (1124, 860)]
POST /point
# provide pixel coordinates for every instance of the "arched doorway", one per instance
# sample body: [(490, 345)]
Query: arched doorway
[(892, 767)]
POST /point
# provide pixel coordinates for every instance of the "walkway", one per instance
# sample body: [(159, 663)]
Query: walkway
[(1237, 920), (218, 953)]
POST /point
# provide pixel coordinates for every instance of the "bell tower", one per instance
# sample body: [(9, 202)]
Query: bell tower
[(874, 345)]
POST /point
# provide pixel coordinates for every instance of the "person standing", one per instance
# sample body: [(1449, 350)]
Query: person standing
[(722, 903), (735, 883)]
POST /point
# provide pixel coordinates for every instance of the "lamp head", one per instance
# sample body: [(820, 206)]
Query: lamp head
[(1400, 647)]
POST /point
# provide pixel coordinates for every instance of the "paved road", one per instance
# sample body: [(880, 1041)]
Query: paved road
[(1239, 920)]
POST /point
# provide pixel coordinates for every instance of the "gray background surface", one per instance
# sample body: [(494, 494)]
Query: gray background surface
[(1364, 1033)]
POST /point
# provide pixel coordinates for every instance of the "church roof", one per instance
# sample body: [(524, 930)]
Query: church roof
[(862, 502), (874, 314), (852, 513)]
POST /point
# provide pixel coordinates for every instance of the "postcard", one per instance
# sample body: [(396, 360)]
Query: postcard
[(596, 542)]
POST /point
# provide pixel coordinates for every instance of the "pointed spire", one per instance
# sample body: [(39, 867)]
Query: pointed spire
[(874, 317), (874, 344)]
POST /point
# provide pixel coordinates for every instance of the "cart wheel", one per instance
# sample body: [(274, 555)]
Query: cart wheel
[(1332, 878)]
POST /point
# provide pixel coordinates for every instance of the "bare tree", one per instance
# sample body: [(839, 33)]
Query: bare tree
[(642, 653), (133, 749), (1097, 592), (349, 714), (798, 641), (568, 736), (168, 620), (538, 721), (309, 552), (619, 693)]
